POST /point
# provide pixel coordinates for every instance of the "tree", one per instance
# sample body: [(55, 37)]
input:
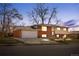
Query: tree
[(8, 15), (53, 14), (41, 13)]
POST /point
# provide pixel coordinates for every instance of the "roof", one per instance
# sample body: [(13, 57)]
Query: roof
[(28, 28), (34, 27), (53, 25)]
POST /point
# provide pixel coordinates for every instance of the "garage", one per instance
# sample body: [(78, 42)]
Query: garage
[(29, 34)]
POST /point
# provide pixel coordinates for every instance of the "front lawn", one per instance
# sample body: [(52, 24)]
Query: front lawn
[(9, 41)]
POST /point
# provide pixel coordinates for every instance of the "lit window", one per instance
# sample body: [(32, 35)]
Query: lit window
[(52, 33), (57, 35), (70, 29), (44, 35), (44, 28), (64, 36), (58, 28), (64, 29)]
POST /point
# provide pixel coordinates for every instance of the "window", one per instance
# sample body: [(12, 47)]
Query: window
[(64, 29), (44, 28), (44, 35), (64, 36), (58, 28), (52, 33), (70, 29), (57, 35)]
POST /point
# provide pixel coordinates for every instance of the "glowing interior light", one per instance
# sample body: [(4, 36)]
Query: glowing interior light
[(64, 29), (44, 35), (58, 28), (44, 28)]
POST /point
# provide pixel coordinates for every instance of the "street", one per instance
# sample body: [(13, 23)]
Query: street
[(40, 50)]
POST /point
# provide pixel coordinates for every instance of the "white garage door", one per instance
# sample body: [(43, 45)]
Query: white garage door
[(29, 34)]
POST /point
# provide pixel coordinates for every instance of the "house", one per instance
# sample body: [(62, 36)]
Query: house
[(41, 31), (53, 31), (74, 32), (25, 32)]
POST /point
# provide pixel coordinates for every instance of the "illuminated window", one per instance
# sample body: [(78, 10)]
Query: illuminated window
[(64, 36), (44, 28), (58, 28), (44, 35), (57, 35), (70, 29), (64, 29), (52, 33)]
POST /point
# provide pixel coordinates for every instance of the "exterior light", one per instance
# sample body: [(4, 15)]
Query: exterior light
[(57, 35), (44, 28), (64, 36)]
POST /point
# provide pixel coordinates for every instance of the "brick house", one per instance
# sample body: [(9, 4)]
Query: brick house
[(51, 31), (42, 31)]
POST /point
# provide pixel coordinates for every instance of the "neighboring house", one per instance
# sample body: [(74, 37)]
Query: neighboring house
[(41, 31), (74, 32)]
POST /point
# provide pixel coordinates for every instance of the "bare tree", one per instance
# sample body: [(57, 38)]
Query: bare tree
[(8, 14), (53, 15), (39, 13)]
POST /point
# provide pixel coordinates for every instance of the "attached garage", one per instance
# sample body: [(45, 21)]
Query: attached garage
[(23, 33), (29, 34)]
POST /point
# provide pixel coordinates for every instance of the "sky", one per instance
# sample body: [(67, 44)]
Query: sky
[(65, 11)]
